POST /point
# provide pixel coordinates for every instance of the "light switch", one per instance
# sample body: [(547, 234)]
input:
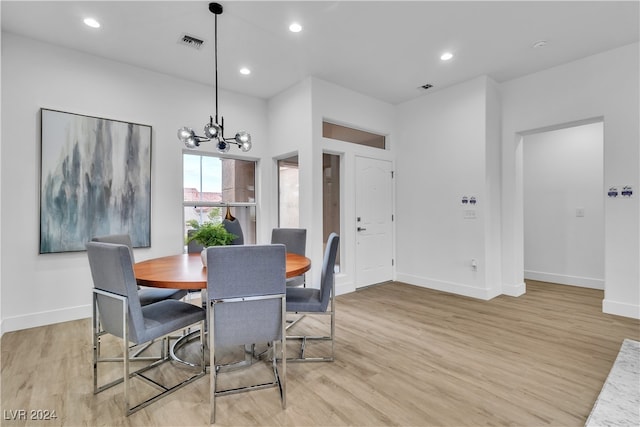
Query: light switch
[(469, 214)]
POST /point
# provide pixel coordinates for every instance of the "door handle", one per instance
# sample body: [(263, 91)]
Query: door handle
[(362, 229)]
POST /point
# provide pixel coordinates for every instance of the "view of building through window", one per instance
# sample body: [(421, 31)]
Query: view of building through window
[(331, 198), (288, 193), (213, 185)]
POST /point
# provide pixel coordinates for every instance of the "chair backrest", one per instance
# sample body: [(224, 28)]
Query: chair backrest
[(294, 239), (233, 227), (246, 271), (121, 239), (112, 271), (328, 270)]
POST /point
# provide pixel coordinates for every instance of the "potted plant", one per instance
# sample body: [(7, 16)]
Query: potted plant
[(209, 234)]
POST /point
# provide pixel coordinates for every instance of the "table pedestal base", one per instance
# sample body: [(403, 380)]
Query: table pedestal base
[(251, 353)]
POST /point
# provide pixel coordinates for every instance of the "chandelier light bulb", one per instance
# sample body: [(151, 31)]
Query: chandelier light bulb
[(188, 137), (222, 146), (184, 133), (212, 130), (192, 143), (243, 138)]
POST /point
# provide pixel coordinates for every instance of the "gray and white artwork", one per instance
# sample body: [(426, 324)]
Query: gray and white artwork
[(95, 180)]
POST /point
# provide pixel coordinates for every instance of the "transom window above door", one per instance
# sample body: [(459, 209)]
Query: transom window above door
[(354, 136)]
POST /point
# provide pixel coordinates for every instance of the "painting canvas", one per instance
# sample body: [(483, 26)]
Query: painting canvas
[(95, 180)]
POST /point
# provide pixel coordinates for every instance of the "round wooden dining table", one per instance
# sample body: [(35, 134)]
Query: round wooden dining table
[(185, 271)]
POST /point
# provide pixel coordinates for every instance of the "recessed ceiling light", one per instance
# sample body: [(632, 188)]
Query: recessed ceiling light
[(295, 27), (90, 22), (446, 56), (245, 71), (539, 43)]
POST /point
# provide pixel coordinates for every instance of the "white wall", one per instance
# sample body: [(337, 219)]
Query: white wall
[(1, 316), (1, 203), (448, 147), (346, 107), (563, 172), (290, 133), (604, 85), (493, 178), (43, 289), (295, 122)]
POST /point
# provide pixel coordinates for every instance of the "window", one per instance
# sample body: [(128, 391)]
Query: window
[(212, 185), (355, 136), (331, 198), (288, 193)]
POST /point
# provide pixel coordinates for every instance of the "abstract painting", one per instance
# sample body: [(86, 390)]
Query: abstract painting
[(95, 180)]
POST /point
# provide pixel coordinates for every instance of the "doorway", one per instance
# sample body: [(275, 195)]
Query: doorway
[(563, 201)]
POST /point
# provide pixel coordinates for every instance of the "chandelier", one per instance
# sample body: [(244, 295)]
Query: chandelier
[(214, 130)]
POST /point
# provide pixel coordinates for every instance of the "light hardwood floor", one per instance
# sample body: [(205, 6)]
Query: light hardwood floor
[(404, 356)]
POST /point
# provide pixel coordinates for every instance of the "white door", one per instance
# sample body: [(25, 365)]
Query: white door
[(374, 231)]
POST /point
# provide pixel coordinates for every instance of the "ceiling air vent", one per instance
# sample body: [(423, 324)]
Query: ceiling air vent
[(191, 41), (426, 86)]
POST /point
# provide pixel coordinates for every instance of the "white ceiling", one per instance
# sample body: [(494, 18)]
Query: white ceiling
[(385, 49)]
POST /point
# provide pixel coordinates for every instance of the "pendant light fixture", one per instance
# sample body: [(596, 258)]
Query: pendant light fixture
[(214, 130)]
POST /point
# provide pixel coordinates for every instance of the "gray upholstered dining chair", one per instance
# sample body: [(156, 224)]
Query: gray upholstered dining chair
[(147, 295), (117, 311), (310, 301), (295, 241), (246, 303)]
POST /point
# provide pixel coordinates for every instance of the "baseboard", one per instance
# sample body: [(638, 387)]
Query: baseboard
[(34, 320), (621, 309), (450, 287), (344, 288), (584, 282), (514, 290)]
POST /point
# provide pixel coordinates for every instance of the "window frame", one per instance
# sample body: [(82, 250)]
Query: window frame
[(221, 204)]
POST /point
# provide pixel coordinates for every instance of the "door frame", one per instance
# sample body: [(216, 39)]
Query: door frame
[(515, 270), (354, 224), (345, 279)]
